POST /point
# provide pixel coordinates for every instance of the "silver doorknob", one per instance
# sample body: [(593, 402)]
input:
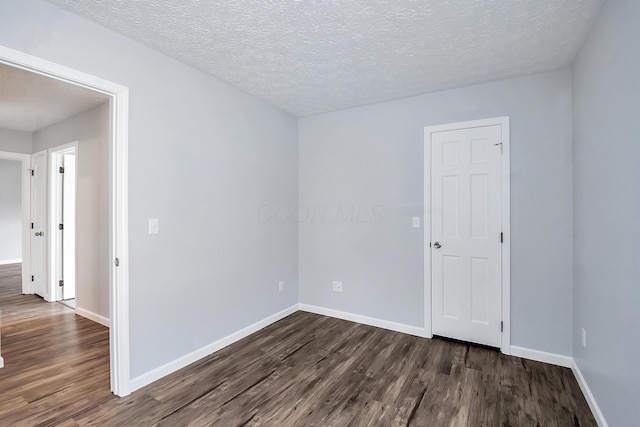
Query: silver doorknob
[(39, 233), (437, 245)]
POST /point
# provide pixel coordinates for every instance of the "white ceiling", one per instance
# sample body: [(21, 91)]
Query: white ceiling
[(314, 56), (29, 101)]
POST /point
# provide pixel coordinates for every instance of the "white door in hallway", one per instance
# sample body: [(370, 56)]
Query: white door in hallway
[(69, 231), (466, 178), (39, 223)]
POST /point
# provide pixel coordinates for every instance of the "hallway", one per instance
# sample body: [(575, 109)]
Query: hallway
[(56, 363)]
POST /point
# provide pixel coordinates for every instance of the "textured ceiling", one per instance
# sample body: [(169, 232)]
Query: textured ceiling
[(313, 56), (29, 101)]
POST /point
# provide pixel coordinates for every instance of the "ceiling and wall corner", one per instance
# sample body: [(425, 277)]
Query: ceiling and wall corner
[(16, 141), (315, 56), (30, 102)]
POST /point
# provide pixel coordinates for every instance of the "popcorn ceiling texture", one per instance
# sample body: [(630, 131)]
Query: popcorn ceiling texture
[(313, 56)]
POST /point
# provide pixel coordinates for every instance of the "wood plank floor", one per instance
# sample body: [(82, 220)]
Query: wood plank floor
[(306, 370), (56, 363)]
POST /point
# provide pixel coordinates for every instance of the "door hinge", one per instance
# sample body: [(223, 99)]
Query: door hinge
[(33, 172), (32, 279), (117, 262), (61, 169), (32, 226), (60, 282), (60, 227), (501, 326), (501, 237)]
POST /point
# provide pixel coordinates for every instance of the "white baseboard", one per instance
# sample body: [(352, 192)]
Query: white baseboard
[(92, 316), (1, 362), (542, 356), (365, 320), (586, 391), (10, 261), (169, 368)]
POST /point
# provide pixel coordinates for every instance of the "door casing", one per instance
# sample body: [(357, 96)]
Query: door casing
[(505, 210)]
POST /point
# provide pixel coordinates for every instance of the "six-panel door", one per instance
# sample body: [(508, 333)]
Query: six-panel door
[(465, 230)]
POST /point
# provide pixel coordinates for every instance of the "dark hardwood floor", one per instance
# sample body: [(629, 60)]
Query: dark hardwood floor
[(306, 370), (56, 363)]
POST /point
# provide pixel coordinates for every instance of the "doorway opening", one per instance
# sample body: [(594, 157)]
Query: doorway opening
[(63, 210), (23, 186), (115, 258), (10, 211), (14, 202)]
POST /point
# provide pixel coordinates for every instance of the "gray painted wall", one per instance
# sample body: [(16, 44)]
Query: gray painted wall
[(10, 210), (370, 160), (204, 158), (15, 141), (91, 130), (607, 211)]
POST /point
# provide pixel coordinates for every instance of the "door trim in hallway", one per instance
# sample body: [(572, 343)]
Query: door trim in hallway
[(54, 155)]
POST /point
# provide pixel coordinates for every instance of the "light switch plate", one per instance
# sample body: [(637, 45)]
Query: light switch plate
[(416, 222), (154, 227)]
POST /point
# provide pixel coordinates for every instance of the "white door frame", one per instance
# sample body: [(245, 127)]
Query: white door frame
[(25, 159), (55, 202), (43, 226), (118, 202), (506, 230)]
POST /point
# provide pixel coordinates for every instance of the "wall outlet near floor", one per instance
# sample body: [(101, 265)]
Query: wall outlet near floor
[(584, 338), (281, 286), (337, 286)]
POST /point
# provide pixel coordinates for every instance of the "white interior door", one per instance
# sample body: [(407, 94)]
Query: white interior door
[(69, 226), (466, 235), (39, 223)]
